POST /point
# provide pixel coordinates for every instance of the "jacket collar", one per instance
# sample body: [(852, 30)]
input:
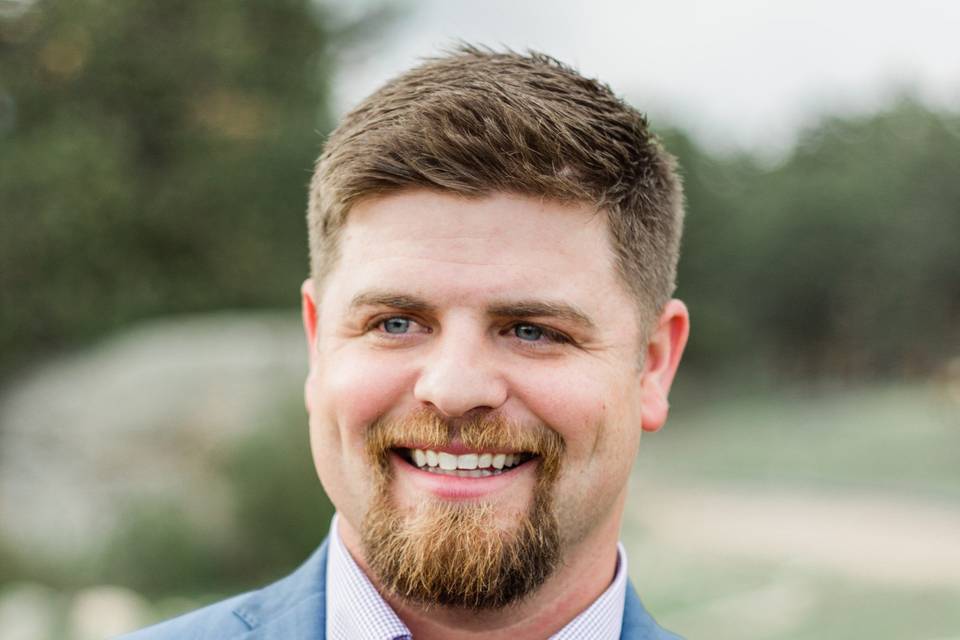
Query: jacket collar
[(296, 607), (637, 623)]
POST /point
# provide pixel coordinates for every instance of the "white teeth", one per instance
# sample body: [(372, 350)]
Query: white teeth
[(420, 457), (468, 462), (448, 461)]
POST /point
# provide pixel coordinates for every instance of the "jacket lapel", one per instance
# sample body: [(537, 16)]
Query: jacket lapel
[(293, 608)]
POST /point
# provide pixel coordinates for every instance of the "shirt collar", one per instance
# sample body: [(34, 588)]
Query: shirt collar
[(603, 619), (354, 607), (355, 610)]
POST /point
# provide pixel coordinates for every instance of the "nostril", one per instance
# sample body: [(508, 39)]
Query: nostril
[(454, 414), (460, 380)]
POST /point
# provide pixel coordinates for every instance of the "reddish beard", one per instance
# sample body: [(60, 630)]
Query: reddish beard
[(456, 554)]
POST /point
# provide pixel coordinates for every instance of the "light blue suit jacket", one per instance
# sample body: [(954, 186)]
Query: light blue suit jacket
[(294, 608)]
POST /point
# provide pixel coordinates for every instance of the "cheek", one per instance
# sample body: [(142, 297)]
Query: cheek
[(346, 394), (598, 415), (584, 407), (357, 388)]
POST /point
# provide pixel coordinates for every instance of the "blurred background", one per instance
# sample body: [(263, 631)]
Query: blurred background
[(154, 159)]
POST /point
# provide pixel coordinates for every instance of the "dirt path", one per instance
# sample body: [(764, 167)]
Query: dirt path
[(882, 539)]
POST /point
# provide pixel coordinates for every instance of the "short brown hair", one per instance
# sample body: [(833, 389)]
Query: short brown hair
[(476, 122)]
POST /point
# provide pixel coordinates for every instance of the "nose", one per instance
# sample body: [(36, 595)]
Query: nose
[(459, 376)]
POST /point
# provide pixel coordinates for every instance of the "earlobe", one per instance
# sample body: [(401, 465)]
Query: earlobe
[(664, 349)]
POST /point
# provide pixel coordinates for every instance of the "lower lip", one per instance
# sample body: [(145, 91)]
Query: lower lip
[(457, 488)]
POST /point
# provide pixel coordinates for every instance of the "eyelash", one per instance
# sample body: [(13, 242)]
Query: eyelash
[(552, 335), (378, 322)]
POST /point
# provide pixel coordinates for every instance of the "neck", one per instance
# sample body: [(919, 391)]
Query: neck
[(588, 569)]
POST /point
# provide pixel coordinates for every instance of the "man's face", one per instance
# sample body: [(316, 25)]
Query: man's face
[(457, 327)]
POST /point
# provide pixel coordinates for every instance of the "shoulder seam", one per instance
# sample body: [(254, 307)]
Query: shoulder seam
[(246, 616)]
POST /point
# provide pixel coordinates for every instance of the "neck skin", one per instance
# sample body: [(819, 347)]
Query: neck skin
[(587, 570)]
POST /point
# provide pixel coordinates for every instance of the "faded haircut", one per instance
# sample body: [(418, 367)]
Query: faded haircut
[(475, 122)]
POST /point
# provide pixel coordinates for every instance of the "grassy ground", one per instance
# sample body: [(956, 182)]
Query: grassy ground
[(802, 515)]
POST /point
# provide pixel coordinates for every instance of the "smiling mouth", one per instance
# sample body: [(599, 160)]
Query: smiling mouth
[(468, 465)]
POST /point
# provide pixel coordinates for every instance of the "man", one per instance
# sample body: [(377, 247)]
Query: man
[(493, 242)]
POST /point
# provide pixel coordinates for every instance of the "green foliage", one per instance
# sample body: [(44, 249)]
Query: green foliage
[(154, 158), (281, 507), (279, 516), (10, 563), (842, 260), (156, 551)]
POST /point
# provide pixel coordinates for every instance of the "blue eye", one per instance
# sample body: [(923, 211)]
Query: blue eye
[(528, 332), (396, 325)]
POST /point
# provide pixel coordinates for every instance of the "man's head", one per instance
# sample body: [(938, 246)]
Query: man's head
[(477, 122), (493, 244)]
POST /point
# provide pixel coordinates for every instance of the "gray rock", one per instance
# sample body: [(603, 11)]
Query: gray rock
[(140, 413)]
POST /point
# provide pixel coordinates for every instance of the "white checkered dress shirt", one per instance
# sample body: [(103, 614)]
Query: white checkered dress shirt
[(355, 610)]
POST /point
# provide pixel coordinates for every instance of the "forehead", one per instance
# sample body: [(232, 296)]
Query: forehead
[(471, 249)]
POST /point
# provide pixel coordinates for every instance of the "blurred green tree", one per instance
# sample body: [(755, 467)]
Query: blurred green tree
[(842, 260), (279, 511), (154, 158)]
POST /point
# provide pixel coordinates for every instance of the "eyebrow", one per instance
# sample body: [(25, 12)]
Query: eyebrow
[(541, 309), (399, 301), (508, 309)]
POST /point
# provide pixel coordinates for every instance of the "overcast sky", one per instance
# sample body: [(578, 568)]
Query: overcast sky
[(734, 72)]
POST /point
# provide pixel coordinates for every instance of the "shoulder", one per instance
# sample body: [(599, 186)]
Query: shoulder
[(217, 620), (297, 601)]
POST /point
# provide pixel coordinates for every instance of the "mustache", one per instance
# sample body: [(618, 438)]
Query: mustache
[(483, 432)]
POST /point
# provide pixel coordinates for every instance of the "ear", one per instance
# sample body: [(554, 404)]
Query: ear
[(308, 309), (664, 349), (308, 304)]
